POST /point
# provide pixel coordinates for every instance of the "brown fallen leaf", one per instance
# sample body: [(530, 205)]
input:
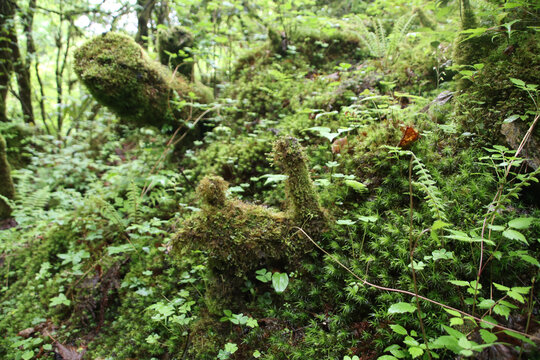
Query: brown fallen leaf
[(339, 144), (26, 332), (410, 135), (68, 352)]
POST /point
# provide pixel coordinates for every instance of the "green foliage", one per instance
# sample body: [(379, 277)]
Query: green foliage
[(115, 251)]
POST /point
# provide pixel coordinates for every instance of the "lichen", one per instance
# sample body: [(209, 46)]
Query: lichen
[(6, 183), (175, 49), (121, 76)]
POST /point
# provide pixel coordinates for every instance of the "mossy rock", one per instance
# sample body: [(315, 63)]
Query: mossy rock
[(241, 238), (305, 46), (175, 49), (18, 137), (493, 97), (7, 189), (121, 76)]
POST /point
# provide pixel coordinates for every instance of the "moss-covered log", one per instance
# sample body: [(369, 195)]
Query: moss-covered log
[(239, 237), (121, 76), (175, 49), (6, 183)]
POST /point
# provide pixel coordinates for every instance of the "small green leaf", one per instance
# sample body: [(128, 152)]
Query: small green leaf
[(515, 235), (511, 118), (61, 299), (409, 340), (387, 357), (456, 321), (491, 320), (401, 307), (488, 337), (27, 355), (398, 329), (486, 304), (415, 351), (464, 343), (345, 222), (518, 82), (368, 219), (501, 310), (280, 282), (516, 296), (356, 185), (519, 336), (501, 287), (257, 354), (459, 282), (521, 223), (231, 348), (452, 312)]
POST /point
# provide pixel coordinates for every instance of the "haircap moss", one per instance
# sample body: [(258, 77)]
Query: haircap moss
[(7, 189)]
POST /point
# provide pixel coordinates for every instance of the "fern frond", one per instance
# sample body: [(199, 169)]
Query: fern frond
[(107, 211), (132, 204), (36, 200), (429, 187), (400, 30)]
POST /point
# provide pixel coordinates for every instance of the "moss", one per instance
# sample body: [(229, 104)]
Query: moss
[(239, 237), (424, 20), (121, 76), (471, 51), (492, 97), (6, 183), (303, 202), (18, 139), (177, 41)]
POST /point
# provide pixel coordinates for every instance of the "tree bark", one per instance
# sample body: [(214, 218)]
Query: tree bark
[(143, 16), (21, 68), (7, 12)]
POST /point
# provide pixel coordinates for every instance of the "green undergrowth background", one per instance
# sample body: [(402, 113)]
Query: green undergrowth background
[(90, 263)]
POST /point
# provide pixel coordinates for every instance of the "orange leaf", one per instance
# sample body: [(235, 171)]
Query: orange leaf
[(410, 135), (339, 144)]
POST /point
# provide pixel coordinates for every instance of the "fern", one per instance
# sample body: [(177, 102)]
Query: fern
[(426, 183), (108, 212), (133, 202), (400, 30), (378, 43)]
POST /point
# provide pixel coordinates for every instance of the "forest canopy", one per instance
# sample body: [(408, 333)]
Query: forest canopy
[(269, 179)]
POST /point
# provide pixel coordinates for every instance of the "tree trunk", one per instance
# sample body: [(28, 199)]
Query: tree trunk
[(143, 16), (162, 13), (28, 25), (22, 71), (7, 12)]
